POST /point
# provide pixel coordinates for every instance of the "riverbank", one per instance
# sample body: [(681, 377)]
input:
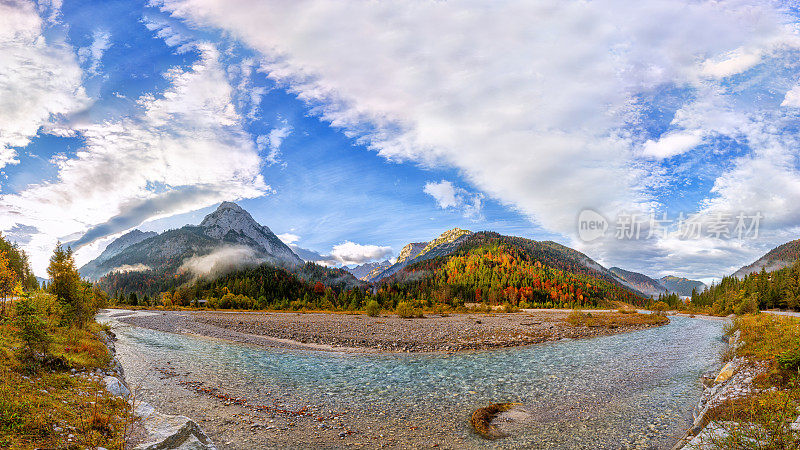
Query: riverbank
[(754, 401), (361, 333)]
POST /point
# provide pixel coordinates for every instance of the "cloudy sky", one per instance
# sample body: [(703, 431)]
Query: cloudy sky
[(351, 128)]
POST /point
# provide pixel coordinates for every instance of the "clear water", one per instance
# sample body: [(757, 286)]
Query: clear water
[(623, 391)]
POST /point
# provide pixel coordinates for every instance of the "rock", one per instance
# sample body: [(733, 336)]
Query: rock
[(725, 373), (168, 432), (795, 426), (116, 387)]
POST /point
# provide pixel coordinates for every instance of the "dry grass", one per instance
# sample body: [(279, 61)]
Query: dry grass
[(768, 337)]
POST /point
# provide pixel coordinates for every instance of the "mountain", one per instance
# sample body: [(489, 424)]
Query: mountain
[(777, 258), (445, 244), (682, 286), (113, 249), (224, 239), (640, 282), (363, 271), (487, 266)]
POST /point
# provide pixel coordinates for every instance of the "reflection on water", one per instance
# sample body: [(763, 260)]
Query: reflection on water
[(605, 392)]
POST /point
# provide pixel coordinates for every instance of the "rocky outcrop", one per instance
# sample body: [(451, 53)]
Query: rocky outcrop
[(168, 432)]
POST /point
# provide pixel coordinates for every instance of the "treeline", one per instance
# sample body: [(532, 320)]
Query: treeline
[(310, 286), (762, 290)]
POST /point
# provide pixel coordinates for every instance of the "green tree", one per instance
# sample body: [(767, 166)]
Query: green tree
[(31, 331), (66, 285)]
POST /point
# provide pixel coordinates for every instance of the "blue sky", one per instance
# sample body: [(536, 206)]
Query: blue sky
[(510, 116)]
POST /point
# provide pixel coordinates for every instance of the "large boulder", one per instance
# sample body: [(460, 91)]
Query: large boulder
[(168, 432)]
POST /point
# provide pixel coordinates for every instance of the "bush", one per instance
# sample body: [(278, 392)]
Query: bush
[(576, 318), (790, 359), (509, 308), (748, 306), (32, 332), (406, 311), (373, 308)]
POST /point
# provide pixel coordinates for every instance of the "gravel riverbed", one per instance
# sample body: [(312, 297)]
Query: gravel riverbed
[(356, 332)]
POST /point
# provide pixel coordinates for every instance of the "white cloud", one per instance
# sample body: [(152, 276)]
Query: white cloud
[(530, 101), (40, 79), (526, 99), (731, 63), (672, 144), (289, 238), (185, 151), (792, 98), (352, 253), (272, 142), (93, 54), (449, 196), (443, 192)]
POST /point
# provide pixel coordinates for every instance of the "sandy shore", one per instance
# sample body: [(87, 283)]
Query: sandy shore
[(361, 333)]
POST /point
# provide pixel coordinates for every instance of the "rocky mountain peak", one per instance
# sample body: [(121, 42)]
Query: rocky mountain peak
[(229, 221)]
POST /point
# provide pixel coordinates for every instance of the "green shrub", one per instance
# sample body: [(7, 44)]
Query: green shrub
[(373, 308), (790, 359), (406, 311), (509, 308)]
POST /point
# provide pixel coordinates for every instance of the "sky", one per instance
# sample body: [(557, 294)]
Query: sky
[(351, 128)]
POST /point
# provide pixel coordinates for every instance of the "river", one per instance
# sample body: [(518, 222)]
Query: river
[(631, 390)]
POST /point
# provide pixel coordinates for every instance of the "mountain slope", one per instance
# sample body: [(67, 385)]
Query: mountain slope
[(682, 286), (364, 271), (640, 282), (496, 269), (445, 244), (91, 269), (775, 259), (229, 230)]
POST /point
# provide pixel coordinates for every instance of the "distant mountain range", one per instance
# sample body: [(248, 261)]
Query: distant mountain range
[(227, 236), (655, 287), (775, 259), (365, 271), (229, 239)]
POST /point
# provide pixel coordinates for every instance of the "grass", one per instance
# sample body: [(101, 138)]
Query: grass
[(613, 319), (768, 337), (762, 420), (42, 409)]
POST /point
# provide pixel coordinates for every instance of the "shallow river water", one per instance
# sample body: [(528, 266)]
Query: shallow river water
[(631, 390)]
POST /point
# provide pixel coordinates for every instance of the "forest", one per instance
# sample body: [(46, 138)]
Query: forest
[(760, 290)]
